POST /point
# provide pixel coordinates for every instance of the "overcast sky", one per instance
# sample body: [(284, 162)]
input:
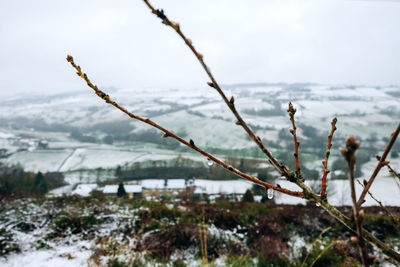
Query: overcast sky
[(120, 43)]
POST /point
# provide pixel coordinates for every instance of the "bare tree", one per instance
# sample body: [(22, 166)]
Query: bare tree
[(354, 223)]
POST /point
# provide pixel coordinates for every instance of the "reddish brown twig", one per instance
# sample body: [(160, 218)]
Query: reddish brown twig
[(325, 161), (392, 171), (214, 84), (349, 154), (293, 131), (381, 163), (394, 219), (168, 133)]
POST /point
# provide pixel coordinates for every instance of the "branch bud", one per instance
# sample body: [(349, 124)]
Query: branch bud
[(361, 213), (232, 100), (354, 239), (70, 59), (191, 142), (211, 84)]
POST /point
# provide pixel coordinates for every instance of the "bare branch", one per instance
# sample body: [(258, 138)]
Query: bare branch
[(214, 84), (392, 171), (349, 154), (168, 133), (381, 163), (293, 131), (325, 161), (394, 219)]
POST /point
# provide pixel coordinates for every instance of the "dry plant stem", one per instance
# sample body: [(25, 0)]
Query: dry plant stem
[(392, 171), (325, 161), (394, 219), (313, 243), (381, 163), (356, 215), (168, 133), (293, 131), (322, 253), (230, 103)]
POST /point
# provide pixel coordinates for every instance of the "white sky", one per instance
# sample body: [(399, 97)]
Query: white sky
[(120, 43)]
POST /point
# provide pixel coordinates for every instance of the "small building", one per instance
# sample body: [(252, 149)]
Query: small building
[(84, 189), (133, 191), (42, 144), (156, 188)]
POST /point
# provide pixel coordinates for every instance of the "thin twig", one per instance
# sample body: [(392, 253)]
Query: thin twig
[(168, 133), (322, 253), (214, 84), (293, 131), (349, 154), (392, 171), (379, 166), (313, 244), (325, 162), (394, 219)]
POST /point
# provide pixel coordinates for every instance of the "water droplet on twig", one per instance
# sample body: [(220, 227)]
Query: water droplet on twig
[(270, 193), (210, 162)]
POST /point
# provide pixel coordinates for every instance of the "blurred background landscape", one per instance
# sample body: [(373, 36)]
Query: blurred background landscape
[(83, 184)]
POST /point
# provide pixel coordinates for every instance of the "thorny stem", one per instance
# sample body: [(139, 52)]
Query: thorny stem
[(293, 131), (325, 161), (168, 133), (214, 84), (381, 163), (394, 219)]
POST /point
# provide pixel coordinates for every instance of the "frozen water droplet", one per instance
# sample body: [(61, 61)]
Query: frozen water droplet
[(210, 162), (270, 193)]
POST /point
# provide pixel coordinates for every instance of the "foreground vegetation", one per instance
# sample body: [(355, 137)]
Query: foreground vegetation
[(123, 232)]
